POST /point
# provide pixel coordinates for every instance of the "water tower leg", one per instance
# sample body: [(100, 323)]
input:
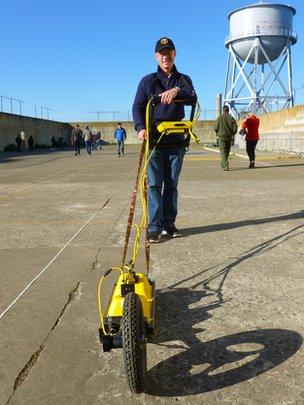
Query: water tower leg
[(290, 88), (254, 82), (227, 75)]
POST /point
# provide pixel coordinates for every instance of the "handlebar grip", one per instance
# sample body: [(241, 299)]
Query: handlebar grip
[(156, 100)]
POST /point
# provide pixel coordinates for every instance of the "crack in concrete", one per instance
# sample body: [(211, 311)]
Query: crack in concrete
[(26, 369), (72, 297), (22, 376)]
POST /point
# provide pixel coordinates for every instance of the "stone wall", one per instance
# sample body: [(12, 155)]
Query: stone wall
[(281, 131), (42, 130), (203, 129)]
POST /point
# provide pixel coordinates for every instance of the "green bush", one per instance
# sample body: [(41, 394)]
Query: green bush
[(40, 146), (10, 148)]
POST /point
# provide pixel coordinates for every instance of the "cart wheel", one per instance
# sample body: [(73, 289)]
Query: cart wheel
[(134, 343)]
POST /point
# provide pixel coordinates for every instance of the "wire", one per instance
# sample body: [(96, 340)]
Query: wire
[(65, 246), (99, 299), (144, 204)]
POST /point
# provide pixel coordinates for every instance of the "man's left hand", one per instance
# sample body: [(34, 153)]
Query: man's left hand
[(167, 96)]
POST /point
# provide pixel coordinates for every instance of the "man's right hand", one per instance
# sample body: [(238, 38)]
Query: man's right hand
[(142, 135)]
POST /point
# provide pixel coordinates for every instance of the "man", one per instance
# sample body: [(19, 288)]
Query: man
[(30, 143), (76, 139), (18, 142), (166, 161), (60, 141), (98, 141), (225, 129), (120, 135), (87, 136), (251, 128)]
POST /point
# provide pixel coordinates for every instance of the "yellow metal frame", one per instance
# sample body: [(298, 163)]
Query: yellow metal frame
[(174, 127), (177, 127), (143, 287)]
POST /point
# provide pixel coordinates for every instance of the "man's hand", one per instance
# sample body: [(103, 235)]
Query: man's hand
[(142, 135), (167, 96)]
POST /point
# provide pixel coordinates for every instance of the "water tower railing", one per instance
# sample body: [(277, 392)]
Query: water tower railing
[(258, 31)]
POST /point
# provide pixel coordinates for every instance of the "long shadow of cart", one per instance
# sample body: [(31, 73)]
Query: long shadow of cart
[(227, 360)]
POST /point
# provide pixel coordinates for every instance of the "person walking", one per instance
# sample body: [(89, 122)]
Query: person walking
[(250, 127), (76, 139), (30, 143), (120, 135), (94, 139), (98, 141), (60, 141), (225, 129), (18, 142), (166, 160), (87, 136)]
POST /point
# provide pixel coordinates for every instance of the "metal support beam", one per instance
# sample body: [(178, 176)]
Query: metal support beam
[(257, 85)]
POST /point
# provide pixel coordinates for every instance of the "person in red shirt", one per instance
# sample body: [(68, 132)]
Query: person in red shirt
[(250, 127)]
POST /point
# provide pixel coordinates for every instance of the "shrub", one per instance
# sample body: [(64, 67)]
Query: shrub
[(40, 146), (10, 148)]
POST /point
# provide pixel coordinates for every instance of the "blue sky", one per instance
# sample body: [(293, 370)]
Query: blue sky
[(78, 56)]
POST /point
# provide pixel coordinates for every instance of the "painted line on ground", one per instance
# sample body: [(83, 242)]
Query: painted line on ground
[(273, 157), (26, 288)]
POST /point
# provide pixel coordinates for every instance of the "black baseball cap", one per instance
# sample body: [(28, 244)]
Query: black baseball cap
[(164, 43)]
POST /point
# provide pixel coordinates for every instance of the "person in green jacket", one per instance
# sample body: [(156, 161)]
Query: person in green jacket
[(225, 129)]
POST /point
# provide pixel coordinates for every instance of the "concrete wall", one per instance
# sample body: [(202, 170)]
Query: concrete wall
[(41, 130), (281, 131), (203, 129)]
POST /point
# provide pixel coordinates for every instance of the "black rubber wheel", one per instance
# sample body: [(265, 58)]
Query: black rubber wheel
[(134, 343)]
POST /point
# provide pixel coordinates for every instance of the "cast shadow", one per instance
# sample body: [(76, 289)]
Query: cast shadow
[(172, 308), (273, 166), (223, 362), (206, 366), (231, 225)]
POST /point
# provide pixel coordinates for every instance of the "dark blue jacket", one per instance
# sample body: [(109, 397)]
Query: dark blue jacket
[(154, 84)]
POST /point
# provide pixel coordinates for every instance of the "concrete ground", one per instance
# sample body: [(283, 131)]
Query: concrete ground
[(229, 302)]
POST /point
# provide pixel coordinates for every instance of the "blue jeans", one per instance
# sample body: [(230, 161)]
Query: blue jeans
[(88, 146), (163, 172), (120, 148)]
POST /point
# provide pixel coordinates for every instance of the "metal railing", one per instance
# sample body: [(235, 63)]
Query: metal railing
[(116, 116), (7, 104), (259, 31), (283, 143), (14, 106)]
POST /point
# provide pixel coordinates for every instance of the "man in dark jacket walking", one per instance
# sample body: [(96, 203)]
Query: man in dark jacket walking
[(166, 161), (225, 129), (76, 139)]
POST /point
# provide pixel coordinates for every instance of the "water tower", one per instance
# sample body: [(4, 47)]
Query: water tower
[(259, 70)]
